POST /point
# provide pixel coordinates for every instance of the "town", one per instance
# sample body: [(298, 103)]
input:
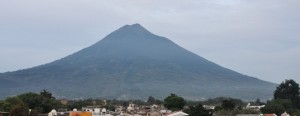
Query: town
[(286, 102)]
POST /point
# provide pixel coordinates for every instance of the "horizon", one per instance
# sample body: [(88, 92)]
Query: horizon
[(254, 38)]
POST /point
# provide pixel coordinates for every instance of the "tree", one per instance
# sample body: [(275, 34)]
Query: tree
[(288, 89), (286, 98), (228, 104), (197, 111), (273, 107), (5, 106), (174, 102), (48, 102), (46, 94), (31, 99), (14, 100), (296, 102), (151, 100), (38, 103), (19, 110)]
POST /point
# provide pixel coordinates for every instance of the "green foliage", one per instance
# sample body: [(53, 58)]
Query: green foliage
[(174, 102), (279, 106), (218, 108), (273, 107), (197, 111), (78, 104), (286, 98), (46, 94), (19, 110), (42, 103), (297, 113), (14, 100), (288, 89), (286, 103), (5, 106), (32, 99), (38, 103), (219, 100), (228, 104), (296, 102)]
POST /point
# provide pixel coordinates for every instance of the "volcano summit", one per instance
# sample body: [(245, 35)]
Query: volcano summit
[(133, 63)]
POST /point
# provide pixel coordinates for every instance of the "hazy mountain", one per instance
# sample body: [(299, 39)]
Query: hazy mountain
[(133, 63)]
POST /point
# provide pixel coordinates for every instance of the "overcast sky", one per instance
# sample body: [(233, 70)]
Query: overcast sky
[(259, 38)]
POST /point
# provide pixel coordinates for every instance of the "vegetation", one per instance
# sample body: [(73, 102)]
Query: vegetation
[(37, 103), (197, 111), (286, 98), (174, 102), (237, 111), (288, 89), (109, 104), (152, 100), (228, 104), (219, 100)]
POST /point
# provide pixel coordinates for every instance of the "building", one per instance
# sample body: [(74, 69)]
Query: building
[(64, 101), (258, 107), (180, 113), (4, 113), (209, 107)]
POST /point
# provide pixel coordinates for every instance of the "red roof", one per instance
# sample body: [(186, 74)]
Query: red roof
[(269, 115)]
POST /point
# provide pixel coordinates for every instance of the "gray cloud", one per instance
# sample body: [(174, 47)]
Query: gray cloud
[(259, 38)]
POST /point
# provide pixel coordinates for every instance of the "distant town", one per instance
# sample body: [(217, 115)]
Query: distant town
[(286, 102)]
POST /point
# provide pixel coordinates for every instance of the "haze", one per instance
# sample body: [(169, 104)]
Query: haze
[(259, 38)]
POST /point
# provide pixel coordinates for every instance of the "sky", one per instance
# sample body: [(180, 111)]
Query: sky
[(258, 38)]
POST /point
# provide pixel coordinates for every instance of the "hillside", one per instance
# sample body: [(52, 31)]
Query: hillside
[(133, 63)]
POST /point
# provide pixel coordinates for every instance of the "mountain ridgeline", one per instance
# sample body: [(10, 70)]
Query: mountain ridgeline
[(133, 63)]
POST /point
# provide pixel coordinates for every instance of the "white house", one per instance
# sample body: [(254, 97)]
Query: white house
[(180, 113), (254, 107)]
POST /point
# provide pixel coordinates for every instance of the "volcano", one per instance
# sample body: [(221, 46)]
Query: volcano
[(133, 63)]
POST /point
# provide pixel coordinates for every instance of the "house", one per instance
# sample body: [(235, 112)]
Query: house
[(154, 114), (257, 107), (285, 114), (64, 101), (80, 113), (95, 110), (52, 113), (4, 113), (180, 113), (131, 107), (62, 111), (165, 112), (269, 115)]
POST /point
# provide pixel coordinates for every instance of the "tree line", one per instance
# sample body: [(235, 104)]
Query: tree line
[(286, 99)]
